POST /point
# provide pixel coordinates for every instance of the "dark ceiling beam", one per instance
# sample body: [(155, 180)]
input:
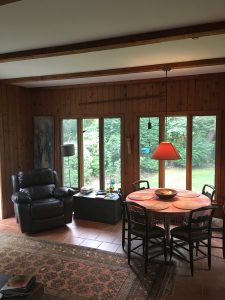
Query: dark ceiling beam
[(119, 71), (194, 31), (4, 2)]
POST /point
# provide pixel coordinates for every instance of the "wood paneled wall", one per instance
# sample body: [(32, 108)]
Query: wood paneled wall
[(191, 94), (129, 100), (16, 139)]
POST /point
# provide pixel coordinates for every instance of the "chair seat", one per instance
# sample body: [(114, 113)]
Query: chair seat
[(46, 208), (142, 234), (182, 232), (154, 232), (196, 233)]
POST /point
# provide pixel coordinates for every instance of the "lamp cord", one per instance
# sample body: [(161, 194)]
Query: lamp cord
[(166, 69)]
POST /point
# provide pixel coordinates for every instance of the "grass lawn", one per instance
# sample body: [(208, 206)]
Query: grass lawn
[(176, 178)]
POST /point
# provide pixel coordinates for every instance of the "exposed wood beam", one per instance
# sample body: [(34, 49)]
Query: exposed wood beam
[(194, 31), (4, 2), (157, 96), (119, 71)]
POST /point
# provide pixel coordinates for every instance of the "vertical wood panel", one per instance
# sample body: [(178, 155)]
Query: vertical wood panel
[(19, 105), (16, 139)]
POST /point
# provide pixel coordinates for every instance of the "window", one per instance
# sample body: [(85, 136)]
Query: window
[(149, 140), (200, 135), (91, 152), (175, 170), (112, 151), (203, 151), (70, 164), (98, 142)]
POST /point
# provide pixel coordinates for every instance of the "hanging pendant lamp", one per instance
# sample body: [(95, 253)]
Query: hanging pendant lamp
[(166, 150)]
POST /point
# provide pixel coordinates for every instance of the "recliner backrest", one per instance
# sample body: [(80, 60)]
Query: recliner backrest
[(39, 191), (35, 177), (37, 183)]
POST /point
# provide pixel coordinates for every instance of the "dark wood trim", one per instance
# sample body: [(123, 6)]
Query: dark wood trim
[(101, 153), (194, 31), (121, 100), (189, 153), (1, 161), (127, 82), (218, 158), (80, 152), (119, 71), (122, 151), (4, 2)]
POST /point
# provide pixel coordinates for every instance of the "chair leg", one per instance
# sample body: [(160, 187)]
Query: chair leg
[(164, 249), (145, 243), (171, 247), (129, 246), (143, 247), (191, 258), (209, 254), (197, 247), (123, 233), (223, 246), (223, 238)]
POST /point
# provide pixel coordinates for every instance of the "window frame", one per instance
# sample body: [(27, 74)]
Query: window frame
[(189, 115), (101, 147)]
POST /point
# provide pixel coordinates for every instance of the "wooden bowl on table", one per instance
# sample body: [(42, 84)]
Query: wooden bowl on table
[(165, 193)]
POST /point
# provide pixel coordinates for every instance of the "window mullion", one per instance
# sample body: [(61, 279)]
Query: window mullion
[(189, 154), (101, 153), (161, 162), (80, 153)]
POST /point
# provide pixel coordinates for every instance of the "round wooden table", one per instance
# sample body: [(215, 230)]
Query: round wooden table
[(182, 203)]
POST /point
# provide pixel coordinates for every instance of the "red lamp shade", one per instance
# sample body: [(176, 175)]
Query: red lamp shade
[(166, 151)]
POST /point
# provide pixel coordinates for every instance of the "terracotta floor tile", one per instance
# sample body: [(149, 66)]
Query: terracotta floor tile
[(73, 240), (89, 234), (120, 250), (90, 243), (109, 247), (117, 239), (106, 237)]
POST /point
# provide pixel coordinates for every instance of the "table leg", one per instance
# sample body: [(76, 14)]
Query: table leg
[(167, 228)]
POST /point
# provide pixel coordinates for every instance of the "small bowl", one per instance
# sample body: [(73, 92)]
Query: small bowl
[(165, 193)]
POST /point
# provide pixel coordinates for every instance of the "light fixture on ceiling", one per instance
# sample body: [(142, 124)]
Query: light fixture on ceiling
[(166, 150)]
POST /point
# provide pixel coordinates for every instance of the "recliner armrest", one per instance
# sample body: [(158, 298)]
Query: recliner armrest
[(21, 197), (62, 192)]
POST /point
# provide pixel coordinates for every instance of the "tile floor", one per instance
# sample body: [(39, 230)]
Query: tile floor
[(204, 285)]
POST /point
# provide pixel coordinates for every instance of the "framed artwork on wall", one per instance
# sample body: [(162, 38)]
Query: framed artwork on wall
[(43, 142)]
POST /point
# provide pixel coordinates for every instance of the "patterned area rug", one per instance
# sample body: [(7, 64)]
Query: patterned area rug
[(76, 272)]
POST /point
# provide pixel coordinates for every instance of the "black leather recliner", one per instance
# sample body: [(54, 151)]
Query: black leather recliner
[(39, 203)]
